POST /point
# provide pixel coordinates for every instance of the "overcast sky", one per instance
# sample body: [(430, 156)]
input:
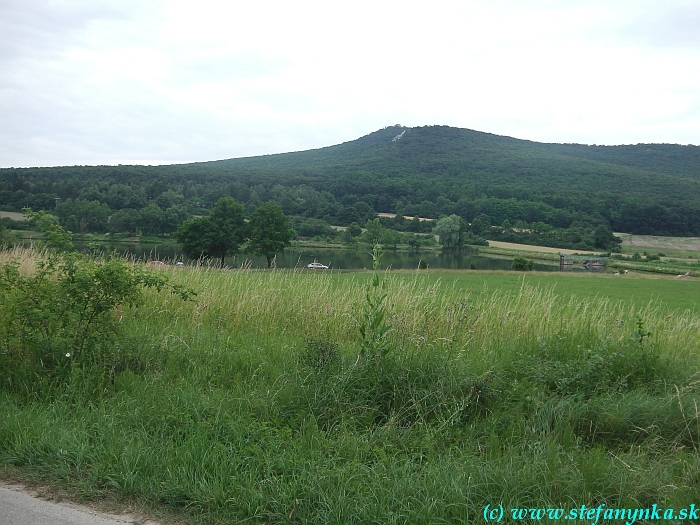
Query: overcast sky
[(153, 82)]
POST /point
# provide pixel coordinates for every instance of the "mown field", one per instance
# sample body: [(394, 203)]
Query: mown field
[(662, 291), (255, 403), (683, 248)]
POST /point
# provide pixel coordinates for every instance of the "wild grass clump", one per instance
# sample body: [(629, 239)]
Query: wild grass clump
[(256, 402), (26, 258), (318, 354), (402, 390)]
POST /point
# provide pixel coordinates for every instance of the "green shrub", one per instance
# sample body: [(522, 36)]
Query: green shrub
[(520, 264), (63, 320)]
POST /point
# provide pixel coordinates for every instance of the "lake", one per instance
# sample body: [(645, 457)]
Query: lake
[(339, 259)]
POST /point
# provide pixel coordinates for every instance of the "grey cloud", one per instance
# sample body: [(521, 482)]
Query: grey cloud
[(663, 25), (44, 27)]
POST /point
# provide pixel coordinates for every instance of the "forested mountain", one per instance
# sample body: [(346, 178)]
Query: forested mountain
[(428, 171)]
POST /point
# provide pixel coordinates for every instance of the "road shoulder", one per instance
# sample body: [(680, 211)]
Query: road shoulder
[(20, 505)]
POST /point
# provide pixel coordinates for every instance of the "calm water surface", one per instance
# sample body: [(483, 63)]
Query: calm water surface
[(336, 258)]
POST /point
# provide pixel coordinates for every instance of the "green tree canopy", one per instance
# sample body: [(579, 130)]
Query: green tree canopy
[(80, 215), (56, 237), (375, 231), (354, 229), (151, 219), (447, 229), (127, 220), (218, 235), (481, 224), (604, 238), (270, 232)]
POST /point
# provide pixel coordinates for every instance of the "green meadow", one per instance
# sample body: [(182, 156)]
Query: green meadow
[(669, 292), (312, 397)]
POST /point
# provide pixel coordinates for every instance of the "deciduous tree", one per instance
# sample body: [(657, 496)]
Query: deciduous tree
[(218, 235), (447, 229), (270, 232)]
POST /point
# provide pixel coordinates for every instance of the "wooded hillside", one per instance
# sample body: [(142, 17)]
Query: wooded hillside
[(429, 171)]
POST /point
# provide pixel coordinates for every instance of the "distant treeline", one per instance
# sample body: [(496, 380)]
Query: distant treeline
[(429, 172)]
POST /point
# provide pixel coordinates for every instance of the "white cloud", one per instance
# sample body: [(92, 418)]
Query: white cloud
[(117, 81)]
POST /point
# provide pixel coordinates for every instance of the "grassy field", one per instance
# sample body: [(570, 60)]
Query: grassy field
[(671, 247), (679, 254), (15, 216), (530, 248), (254, 404), (666, 292)]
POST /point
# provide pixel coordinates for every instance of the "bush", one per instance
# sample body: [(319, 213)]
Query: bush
[(63, 320), (520, 264)]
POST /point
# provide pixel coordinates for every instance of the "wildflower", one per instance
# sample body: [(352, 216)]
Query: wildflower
[(68, 354)]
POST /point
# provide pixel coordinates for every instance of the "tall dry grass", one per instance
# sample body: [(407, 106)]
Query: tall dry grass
[(26, 257), (325, 306)]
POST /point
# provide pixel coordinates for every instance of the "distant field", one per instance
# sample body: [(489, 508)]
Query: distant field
[(407, 217), (531, 248), (15, 216), (657, 241), (638, 289), (681, 248)]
